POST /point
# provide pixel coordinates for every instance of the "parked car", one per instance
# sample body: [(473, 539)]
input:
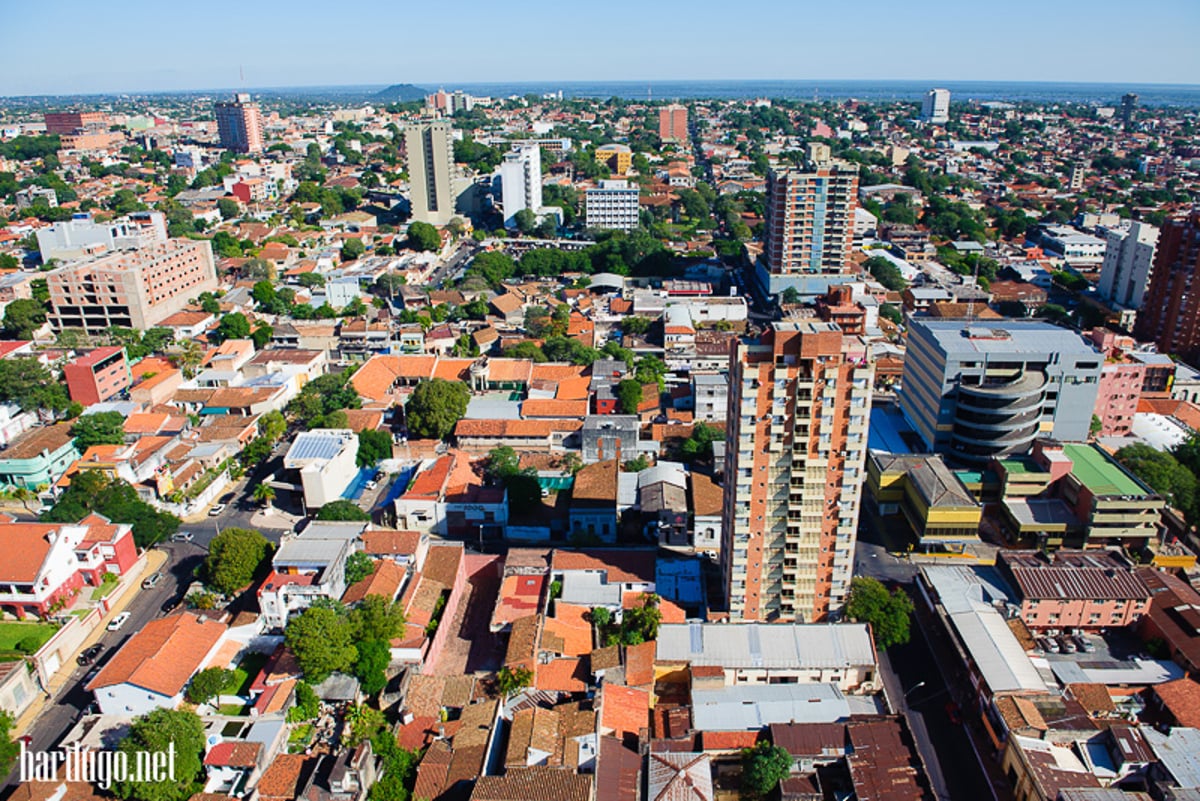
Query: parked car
[(216, 510), (170, 605), (1067, 645), (89, 656), (182, 536), (117, 622), (371, 485), (151, 581), (1048, 645), (1085, 645)]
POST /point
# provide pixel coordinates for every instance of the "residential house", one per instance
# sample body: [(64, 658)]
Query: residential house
[(308, 566), (593, 511), (36, 459)]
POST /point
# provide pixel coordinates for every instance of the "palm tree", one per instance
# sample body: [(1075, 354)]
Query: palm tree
[(190, 357), (264, 494)]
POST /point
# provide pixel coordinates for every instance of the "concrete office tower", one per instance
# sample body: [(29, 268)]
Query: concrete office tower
[(240, 125), (795, 445), (612, 204), (131, 289), (809, 225), (1170, 313), (1077, 175), (1128, 108), (431, 171), (673, 123), (1128, 259), (521, 182), (974, 390), (936, 106)]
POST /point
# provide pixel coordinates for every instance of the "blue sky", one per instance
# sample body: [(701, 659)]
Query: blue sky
[(69, 46)]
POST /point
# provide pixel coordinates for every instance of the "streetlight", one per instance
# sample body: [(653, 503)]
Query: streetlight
[(916, 686)]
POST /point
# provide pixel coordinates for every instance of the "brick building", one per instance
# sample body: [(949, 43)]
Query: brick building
[(97, 376)]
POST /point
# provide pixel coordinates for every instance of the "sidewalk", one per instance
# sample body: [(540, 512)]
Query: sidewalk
[(153, 560)]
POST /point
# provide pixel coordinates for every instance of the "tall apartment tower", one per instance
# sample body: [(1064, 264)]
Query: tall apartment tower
[(431, 171), (1128, 107), (1128, 259), (240, 125), (1078, 173), (796, 442), (936, 106), (809, 225), (1170, 314), (673, 123), (521, 182)]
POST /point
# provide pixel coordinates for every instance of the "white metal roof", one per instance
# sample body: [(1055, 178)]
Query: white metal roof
[(767, 646), (750, 706)]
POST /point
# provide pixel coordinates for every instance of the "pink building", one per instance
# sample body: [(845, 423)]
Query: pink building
[(1121, 382), (1074, 589)]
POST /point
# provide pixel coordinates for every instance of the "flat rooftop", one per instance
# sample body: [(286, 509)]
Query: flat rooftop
[(1004, 337), (1099, 474)]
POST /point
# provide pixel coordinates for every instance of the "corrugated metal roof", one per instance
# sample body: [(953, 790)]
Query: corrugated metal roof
[(799, 646), (750, 707)]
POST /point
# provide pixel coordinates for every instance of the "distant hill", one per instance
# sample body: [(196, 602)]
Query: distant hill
[(401, 93)]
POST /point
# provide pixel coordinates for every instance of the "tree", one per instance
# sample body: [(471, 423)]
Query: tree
[(1164, 474), (102, 428), (208, 683), (373, 447), (377, 618), (492, 266), (92, 491), (23, 317), (510, 680), (526, 350), (698, 446), (358, 566), (640, 624), (261, 336), (1096, 426), (423, 237), (790, 296), (435, 407), (886, 273), (160, 732), (637, 464), (264, 494), (232, 326), (234, 556), (9, 748), (228, 207), (889, 312), (763, 767), (371, 666), (353, 249), (308, 704), (888, 613), (629, 395), (638, 326), (323, 641), (342, 510), (501, 463), (28, 383), (525, 221)]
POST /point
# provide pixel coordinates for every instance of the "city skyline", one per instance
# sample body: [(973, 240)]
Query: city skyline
[(131, 46)]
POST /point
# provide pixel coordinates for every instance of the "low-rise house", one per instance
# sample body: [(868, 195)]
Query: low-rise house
[(663, 502), (610, 436), (97, 376), (36, 459), (707, 498), (306, 567), (1074, 589), (481, 436), (841, 654), (593, 511), (325, 462), (50, 563), (154, 666)]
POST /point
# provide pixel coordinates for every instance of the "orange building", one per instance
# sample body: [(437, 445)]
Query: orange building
[(794, 466), (673, 123)]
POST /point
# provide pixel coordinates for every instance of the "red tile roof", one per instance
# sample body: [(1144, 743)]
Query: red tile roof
[(624, 710), (162, 656)]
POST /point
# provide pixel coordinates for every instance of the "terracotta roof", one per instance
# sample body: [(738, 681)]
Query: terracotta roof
[(555, 371), (284, 778), (385, 580), (544, 407), (507, 303), (442, 563), (618, 772), (534, 784), (509, 370), (639, 664), (162, 656), (622, 565), (431, 773), (606, 658), (391, 543), (522, 640), (514, 428), (534, 729), (363, 419), (679, 777), (234, 754), (728, 740), (1093, 697), (568, 632), (596, 482), (30, 444), (707, 496), (624, 710), (565, 675), (1181, 698), (27, 545), (453, 369)]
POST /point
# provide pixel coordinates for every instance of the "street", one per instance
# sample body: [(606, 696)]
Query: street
[(146, 605)]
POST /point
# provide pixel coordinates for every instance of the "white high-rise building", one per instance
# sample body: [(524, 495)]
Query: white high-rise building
[(936, 108), (81, 236), (521, 182), (612, 204), (1128, 258)]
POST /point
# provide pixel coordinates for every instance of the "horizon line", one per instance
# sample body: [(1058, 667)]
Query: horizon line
[(934, 83)]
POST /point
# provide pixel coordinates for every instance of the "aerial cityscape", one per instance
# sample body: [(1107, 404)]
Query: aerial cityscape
[(481, 422)]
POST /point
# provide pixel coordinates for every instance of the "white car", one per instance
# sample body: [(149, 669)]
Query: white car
[(216, 510), (117, 622)]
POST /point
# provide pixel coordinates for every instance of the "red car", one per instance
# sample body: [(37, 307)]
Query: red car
[(954, 713)]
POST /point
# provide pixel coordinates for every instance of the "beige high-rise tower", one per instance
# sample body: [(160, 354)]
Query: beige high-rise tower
[(431, 171), (795, 452)]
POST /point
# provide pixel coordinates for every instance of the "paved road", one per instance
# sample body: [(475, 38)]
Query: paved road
[(72, 698)]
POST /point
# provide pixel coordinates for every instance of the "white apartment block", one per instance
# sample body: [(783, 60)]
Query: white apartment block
[(936, 107), (612, 204), (1128, 259), (81, 236), (521, 182)]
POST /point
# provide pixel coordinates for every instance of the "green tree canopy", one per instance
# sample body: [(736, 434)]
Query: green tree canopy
[(9, 748), (377, 618), (323, 641), (232, 326), (342, 510), (370, 667), (358, 566), (92, 491), (228, 207), (27, 382), (353, 249), (423, 237), (208, 683), (155, 733), (1164, 474), (886, 273), (629, 395), (23, 317), (373, 447), (101, 428), (435, 407), (234, 556), (763, 767), (510, 680), (888, 613)]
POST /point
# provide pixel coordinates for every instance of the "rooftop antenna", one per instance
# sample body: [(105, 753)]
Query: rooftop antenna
[(242, 74)]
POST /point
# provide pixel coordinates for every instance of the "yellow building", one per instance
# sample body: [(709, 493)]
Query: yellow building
[(618, 158), (938, 507)]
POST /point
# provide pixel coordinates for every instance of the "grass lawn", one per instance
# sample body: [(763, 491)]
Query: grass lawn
[(106, 586), (232, 710), (244, 673), (12, 633)]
